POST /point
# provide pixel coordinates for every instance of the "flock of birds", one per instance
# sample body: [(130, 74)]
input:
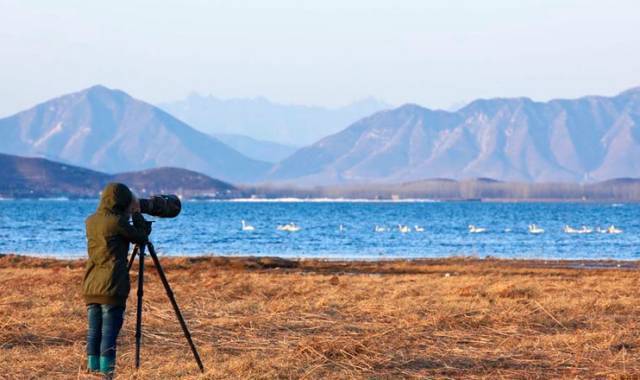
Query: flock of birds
[(536, 230), (587, 230), (402, 228)]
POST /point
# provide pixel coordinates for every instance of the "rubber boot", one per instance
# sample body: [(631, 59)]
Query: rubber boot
[(107, 366), (93, 363)]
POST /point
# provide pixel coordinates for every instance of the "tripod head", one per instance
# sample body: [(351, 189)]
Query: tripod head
[(141, 223)]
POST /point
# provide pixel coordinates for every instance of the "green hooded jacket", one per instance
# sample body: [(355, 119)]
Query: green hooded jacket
[(106, 280)]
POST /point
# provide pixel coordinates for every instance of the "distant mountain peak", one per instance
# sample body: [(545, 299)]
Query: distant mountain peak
[(410, 107), (97, 87), (102, 90), (495, 103), (263, 119), (631, 91)]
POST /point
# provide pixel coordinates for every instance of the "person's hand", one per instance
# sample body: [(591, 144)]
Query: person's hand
[(134, 207), (147, 227)]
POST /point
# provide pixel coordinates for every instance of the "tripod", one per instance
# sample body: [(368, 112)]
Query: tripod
[(139, 249)]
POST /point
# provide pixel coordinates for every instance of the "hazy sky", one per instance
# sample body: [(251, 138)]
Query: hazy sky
[(325, 52)]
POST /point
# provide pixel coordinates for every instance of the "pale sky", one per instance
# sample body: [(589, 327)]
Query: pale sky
[(325, 52)]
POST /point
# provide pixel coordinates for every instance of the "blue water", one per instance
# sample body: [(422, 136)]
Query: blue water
[(56, 228)]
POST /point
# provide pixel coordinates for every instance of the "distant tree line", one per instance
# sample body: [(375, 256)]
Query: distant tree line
[(476, 189)]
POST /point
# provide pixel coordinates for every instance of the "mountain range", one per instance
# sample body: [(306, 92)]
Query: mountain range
[(26, 177), (262, 119), (593, 138), (587, 139), (108, 130)]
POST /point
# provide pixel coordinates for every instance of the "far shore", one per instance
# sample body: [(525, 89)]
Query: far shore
[(356, 265)]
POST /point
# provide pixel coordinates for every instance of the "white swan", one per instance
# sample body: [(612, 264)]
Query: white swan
[(585, 230), (404, 229), (476, 230), (380, 229), (418, 228), (534, 229), (247, 227), (613, 230), (289, 227)]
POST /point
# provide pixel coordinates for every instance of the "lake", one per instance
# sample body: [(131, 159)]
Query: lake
[(342, 229)]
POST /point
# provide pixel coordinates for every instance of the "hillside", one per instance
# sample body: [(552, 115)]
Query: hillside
[(108, 130), (593, 138), (23, 177)]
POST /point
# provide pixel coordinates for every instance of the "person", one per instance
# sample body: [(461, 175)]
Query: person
[(106, 280)]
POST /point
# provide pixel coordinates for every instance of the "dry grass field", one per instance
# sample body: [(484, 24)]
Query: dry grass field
[(269, 318)]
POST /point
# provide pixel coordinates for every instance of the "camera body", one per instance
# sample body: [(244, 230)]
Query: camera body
[(161, 206)]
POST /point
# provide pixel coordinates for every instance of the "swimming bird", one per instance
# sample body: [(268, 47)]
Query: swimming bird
[(247, 227), (380, 229), (585, 230), (404, 229), (289, 227), (418, 228), (341, 228), (534, 229), (294, 228), (613, 230), (476, 230)]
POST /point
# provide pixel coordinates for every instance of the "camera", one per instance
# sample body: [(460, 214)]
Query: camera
[(161, 206)]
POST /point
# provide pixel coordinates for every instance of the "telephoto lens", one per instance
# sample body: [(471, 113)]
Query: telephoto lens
[(162, 206)]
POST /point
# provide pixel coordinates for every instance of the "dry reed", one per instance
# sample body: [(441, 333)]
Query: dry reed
[(269, 318)]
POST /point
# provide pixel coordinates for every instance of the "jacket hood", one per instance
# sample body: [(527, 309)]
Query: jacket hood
[(115, 198)]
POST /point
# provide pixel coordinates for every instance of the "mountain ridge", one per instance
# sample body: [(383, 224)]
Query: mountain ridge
[(511, 139)]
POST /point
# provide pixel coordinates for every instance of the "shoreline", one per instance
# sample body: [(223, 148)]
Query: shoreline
[(351, 200), (388, 265)]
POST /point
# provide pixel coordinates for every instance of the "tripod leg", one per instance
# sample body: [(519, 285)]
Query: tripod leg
[(133, 256), (172, 299), (139, 310)]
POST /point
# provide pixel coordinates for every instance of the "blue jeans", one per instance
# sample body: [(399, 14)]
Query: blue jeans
[(105, 322)]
